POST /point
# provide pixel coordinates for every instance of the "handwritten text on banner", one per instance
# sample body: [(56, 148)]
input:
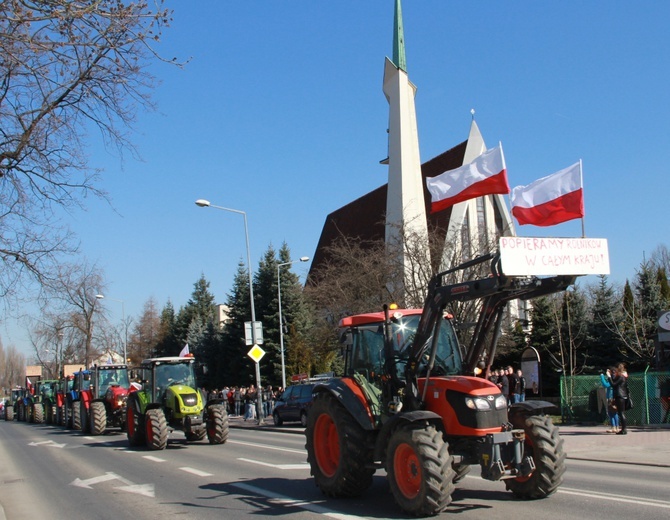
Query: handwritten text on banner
[(549, 256)]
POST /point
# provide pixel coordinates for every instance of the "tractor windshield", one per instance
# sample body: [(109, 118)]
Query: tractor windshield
[(447, 355), (168, 374), (113, 377), (367, 351)]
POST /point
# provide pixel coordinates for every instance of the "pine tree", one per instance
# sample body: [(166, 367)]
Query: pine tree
[(167, 344), (544, 337), (604, 343), (235, 367)]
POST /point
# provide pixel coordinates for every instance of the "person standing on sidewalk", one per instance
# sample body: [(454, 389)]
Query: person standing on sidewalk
[(618, 378), (611, 405)]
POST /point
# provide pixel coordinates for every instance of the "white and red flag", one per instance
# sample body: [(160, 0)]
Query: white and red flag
[(486, 175), (29, 383), (550, 200), (185, 351)]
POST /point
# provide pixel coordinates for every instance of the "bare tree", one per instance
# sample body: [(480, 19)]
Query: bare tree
[(12, 368), (74, 296), (65, 68)]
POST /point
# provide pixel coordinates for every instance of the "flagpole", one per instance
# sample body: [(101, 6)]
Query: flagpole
[(581, 183)]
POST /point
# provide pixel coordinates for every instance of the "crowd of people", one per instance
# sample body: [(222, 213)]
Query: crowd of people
[(243, 400), (511, 382)]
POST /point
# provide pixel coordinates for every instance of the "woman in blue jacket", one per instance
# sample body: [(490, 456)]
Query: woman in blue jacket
[(611, 406)]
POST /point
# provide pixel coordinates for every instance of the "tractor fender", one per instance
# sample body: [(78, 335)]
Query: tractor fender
[(518, 412), (349, 395), (403, 418)]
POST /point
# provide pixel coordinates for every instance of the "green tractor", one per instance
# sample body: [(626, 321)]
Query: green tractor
[(46, 390), (14, 404), (169, 400)]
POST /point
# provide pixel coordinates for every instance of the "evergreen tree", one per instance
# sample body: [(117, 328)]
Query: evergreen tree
[(267, 311), (574, 330), (235, 367), (167, 344), (544, 337), (604, 343)]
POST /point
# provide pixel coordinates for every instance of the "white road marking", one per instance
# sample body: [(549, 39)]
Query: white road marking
[(616, 498), (196, 472), (152, 458), (304, 465), (292, 502), (146, 490), (267, 447), (50, 444)]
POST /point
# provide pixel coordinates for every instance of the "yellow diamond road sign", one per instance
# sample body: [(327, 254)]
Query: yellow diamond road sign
[(256, 353)]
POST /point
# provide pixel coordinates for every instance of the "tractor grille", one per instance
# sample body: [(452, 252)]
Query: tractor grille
[(478, 419)]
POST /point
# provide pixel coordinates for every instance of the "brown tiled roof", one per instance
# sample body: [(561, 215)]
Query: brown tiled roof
[(364, 218)]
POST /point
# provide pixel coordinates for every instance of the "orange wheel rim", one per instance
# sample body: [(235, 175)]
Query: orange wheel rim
[(407, 470), (326, 445)]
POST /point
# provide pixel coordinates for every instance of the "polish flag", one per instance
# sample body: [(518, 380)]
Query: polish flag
[(550, 200), (185, 351), (29, 383), (486, 175)]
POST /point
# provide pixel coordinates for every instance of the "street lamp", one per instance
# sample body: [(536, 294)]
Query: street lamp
[(281, 324), (123, 319), (203, 203)]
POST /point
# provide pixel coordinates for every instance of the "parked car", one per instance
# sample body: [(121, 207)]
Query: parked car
[(293, 404)]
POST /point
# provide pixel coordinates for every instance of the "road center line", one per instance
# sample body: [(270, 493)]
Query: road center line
[(196, 472), (152, 458), (304, 465), (267, 447)]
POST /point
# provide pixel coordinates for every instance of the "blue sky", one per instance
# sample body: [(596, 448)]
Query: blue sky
[(280, 113)]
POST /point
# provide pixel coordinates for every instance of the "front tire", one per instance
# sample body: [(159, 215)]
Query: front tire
[(419, 468), (338, 450), (9, 413), (545, 445), (156, 429), (98, 418), (76, 416), (217, 424)]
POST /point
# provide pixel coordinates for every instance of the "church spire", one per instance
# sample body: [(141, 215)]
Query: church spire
[(398, 39)]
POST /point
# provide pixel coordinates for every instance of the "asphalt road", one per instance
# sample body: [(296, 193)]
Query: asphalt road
[(48, 472)]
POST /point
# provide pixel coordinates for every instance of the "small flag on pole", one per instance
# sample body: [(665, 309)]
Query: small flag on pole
[(185, 351)]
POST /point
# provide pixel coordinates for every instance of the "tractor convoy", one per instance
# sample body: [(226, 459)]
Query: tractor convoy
[(411, 401), (164, 398)]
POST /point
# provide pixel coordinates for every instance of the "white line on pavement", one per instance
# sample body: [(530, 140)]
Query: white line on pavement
[(196, 472), (304, 465)]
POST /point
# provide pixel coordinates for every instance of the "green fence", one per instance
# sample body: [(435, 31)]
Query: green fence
[(583, 399)]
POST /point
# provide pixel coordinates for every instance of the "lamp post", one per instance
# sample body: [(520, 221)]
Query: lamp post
[(281, 324), (123, 319), (203, 203)]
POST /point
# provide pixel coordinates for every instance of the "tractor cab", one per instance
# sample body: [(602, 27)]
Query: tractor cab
[(162, 373)]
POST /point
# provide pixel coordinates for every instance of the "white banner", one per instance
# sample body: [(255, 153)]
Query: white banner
[(525, 256)]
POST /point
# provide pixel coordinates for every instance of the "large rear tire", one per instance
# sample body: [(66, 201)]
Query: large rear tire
[(9, 413), (84, 417), (76, 416), (338, 449), (218, 426), (156, 429), (546, 446), (98, 415), (134, 424), (37, 413), (419, 468)]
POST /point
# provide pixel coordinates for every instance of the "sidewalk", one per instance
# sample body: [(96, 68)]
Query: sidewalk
[(642, 446)]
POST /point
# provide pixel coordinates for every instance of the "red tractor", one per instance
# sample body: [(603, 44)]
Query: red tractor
[(101, 393), (409, 402)]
